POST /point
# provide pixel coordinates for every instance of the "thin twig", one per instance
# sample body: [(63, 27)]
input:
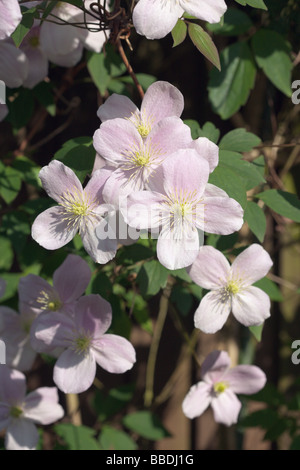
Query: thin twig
[(73, 409), (162, 314), (129, 68)]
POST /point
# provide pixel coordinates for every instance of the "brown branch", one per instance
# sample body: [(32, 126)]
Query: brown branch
[(129, 68)]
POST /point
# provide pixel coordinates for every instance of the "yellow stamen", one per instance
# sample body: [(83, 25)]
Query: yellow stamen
[(232, 287), (49, 301), (16, 412), (220, 387)]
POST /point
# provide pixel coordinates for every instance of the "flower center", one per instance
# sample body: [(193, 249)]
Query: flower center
[(16, 412), (232, 287), (142, 122), (144, 129), (220, 387), (81, 342), (182, 207), (49, 301), (78, 207)]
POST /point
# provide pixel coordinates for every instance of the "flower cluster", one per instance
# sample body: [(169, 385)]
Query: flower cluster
[(59, 321), (58, 42)]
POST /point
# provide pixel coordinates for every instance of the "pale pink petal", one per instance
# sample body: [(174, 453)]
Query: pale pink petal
[(161, 100), (21, 435), (72, 278), (226, 408), (98, 244), (251, 306), (118, 186), (222, 215), (207, 150), (93, 314), (99, 163), (4, 415), (116, 137), (56, 39), (95, 40), (207, 10), (245, 379), (74, 372), (116, 106), (41, 406), (215, 366), (177, 250), (58, 179), (94, 188), (50, 331), (212, 312), (20, 355), (38, 66), (142, 209), (12, 385), (51, 230), (185, 174), (252, 264), (213, 191), (197, 400), (210, 269), (30, 288), (66, 60), (13, 65), (155, 18), (10, 17), (114, 353), (167, 136)]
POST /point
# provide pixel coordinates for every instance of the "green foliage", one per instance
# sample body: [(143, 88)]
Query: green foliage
[(273, 55), (253, 3), (114, 439), (256, 220), (28, 16), (230, 88), (20, 108), (146, 424), (234, 23), (239, 140), (77, 437), (202, 40), (179, 33), (108, 404), (10, 183), (79, 155), (270, 288), (152, 277), (257, 331), (282, 202)]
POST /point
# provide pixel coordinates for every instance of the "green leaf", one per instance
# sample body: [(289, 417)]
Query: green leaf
[(204, 43), (257, 331), (107, 405), (196, 290), (100, 284), (77, 437), (256, 220), (282, 202), (113, 439), (264, 418), (146, 424), (182, 274), (6, 254), (15, 225), (152, 277), (98, 71), (239, 140), (27, 170), (260, 165), (10, 183), (253, 3), (12, 281), (24, 27), (295, 445), (179, 33), (272, 54), (182, 299), (242, 168), (21, 108), (230, 181), (210, 131), (234, 23), (194, 126), (79, 155), (230, 88), (270, 288)]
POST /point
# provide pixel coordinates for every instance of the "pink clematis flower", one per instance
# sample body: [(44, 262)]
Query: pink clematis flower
[(161, 100), (156, 18), (179, 204), (37, 59), (15, 333), (78, 210), (219, 386), (84, 344), (70, 281), (10, 17), (135, 157), (13, 65), (231, 287), (19, 413)]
